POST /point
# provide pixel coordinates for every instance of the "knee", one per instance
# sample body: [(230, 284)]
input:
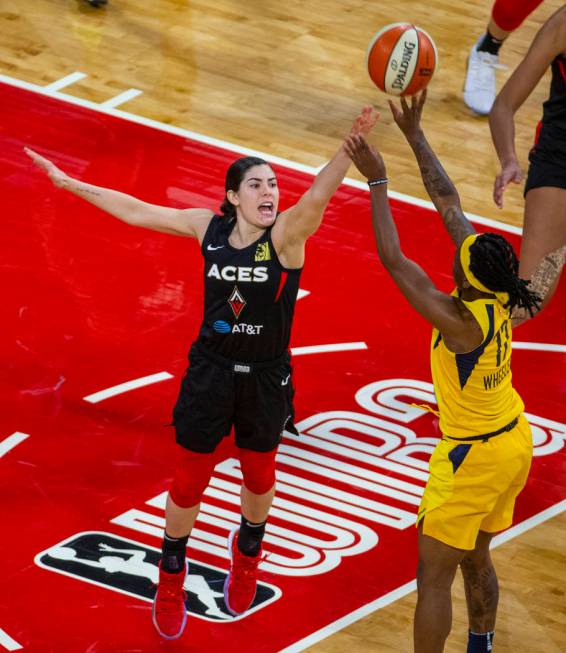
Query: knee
[(432, 577), (258, 470), (191, 478)]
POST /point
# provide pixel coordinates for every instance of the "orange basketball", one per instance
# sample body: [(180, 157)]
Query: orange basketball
[(401, 59)]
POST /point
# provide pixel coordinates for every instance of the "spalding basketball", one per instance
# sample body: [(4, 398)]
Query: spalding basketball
[(401, 59)]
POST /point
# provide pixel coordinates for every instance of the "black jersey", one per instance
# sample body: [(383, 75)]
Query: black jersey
[(249, 297), (551, 138)]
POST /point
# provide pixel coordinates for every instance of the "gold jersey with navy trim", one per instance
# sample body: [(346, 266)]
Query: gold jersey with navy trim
[(474, 390)]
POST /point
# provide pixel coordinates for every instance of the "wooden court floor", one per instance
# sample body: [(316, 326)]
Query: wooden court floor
[(287, 78)]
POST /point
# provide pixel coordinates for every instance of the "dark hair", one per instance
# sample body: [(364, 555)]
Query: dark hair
[(494, 262), (234, 178)]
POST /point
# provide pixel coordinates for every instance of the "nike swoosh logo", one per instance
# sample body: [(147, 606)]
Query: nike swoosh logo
[(211, 248), (286, 380)]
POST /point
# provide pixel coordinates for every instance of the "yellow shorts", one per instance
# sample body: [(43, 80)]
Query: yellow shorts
[(473, 486)]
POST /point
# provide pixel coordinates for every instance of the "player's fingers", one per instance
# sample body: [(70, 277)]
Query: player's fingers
[(404, 105), (422, 100), (395, 111)]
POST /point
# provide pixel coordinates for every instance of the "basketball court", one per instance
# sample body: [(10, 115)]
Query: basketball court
[(97, 320)]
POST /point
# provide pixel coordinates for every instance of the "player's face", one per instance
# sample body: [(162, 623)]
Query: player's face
[(258, 196)]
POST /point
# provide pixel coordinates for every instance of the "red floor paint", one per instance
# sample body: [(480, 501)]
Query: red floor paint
[(89, 302)]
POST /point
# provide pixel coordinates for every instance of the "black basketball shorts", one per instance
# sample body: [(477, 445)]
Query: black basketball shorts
[(546, 168), (217, 394)]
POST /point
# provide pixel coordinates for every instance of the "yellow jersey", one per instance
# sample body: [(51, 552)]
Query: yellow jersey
[(474, 392)]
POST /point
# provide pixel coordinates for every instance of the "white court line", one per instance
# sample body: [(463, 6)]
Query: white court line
[(8, 643), (216, 142), (127, 386), (402, 591), (539, 346), (12, 441), (65, 81), (130, 94), (303, 293), (322, 349)]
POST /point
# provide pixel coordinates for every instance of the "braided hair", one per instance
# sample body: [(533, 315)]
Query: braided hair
[(494, 262), (234, 178)]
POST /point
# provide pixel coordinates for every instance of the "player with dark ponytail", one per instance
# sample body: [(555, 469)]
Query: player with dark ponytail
[(239, 373), (483, 458)]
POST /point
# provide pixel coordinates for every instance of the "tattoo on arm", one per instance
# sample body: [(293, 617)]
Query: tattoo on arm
[(87, 191), (546, 273), (442, 192)]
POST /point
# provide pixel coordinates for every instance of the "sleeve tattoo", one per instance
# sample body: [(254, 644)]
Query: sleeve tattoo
[(442, 192), (546, 273)]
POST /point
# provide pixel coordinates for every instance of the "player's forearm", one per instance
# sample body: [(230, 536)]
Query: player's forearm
[(124, 207), (384, 228), (328, 180), (441, 190), (502, 128)]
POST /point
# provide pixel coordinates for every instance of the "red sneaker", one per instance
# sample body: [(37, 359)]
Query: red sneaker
[(240, 584), (169, 611)]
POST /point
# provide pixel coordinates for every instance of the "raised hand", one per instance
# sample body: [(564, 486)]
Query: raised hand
[(58, 177), (366, 159), (408, 118), (365, 122), (510, 172)]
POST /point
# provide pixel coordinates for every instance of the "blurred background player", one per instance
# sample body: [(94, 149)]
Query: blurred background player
[(482, 461), (544, 227), (479, 87)]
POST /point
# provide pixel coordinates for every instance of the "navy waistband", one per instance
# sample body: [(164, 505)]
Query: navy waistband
[(486, 436)]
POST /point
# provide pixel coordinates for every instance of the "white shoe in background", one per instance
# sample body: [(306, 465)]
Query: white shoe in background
[(479, 87)]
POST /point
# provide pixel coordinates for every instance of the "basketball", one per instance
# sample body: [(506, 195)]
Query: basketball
[(401, 59)]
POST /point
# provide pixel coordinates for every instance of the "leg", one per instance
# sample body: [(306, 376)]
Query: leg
[(481, 586), (544, 229), (507, 15), (255, 507), (438, 563), (258, 490), (244, 543)]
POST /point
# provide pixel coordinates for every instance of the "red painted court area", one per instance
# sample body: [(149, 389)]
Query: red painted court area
[(90, 303)]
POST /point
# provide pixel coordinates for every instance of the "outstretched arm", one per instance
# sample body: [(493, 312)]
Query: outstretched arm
[(438, 184), (179, 222), (445, 312), (547, 44), (297, 223), (543, 279)]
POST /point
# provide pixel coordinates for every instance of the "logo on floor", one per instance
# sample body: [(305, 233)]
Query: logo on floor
[(131, 568)]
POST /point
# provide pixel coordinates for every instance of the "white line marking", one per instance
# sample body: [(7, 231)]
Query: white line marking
[(127, 386), (322, 349), (12, 441), (65, 81), (130, 94), (539, 346), (7, 642), (216, 142), (303, 293), (402, 591)]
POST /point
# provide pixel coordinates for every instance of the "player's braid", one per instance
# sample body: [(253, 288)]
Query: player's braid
[(494, 263)]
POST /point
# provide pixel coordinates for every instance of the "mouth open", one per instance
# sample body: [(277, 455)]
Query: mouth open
[(266, 209)]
